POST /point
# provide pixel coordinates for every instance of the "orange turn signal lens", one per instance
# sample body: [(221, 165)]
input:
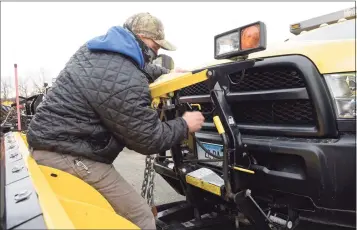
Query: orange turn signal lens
[(250, 37)]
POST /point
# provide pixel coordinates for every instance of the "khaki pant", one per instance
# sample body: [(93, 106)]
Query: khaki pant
[(104, 178)]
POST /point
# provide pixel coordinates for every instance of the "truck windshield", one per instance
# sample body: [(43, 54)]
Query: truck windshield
[(338, 31)]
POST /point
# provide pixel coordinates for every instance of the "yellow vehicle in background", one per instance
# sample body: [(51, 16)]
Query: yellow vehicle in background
[(7, 103)]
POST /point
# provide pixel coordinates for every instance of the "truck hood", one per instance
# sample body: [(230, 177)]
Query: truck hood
[(329, 56)]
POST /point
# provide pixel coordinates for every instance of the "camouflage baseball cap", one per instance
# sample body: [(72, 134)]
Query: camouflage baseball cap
[(150, 27)]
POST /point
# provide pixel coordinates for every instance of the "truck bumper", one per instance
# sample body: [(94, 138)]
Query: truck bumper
[(319, 174)]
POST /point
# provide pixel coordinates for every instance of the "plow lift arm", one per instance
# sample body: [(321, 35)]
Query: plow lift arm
[(163, 92)]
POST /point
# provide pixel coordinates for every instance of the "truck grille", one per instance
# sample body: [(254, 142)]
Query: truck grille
[(200, 88), (292, 112), (289, 112), (254, 80), (276, 112), (266, 79)]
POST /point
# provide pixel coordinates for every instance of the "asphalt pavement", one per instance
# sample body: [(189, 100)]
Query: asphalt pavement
[(131, 166)]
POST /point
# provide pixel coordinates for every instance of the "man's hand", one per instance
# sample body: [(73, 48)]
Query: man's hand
[(179, 70), (194, 121)]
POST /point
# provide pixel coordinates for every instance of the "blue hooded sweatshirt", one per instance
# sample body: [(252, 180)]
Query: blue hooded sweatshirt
[(118, 40)]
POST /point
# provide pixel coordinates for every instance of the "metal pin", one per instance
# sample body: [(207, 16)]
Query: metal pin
[(23, 195), (12, 155), (17, 168)]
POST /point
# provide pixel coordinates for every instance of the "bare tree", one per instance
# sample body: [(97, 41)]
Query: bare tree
[(42, 75), (5, 90), (24, 89), (37, 86), (40, 84)]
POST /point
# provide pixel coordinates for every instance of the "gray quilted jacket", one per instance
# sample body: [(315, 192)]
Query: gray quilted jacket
[(100, 103), (155, 71)]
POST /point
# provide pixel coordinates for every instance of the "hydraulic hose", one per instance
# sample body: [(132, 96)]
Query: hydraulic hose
[(225, 157), (204, 149)]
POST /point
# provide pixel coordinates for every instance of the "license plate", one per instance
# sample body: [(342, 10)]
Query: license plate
[(215, 149)]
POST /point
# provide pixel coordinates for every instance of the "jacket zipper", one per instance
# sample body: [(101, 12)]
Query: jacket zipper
[(79, 163)]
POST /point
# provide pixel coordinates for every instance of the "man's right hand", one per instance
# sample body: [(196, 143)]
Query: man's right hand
[(194, 121)]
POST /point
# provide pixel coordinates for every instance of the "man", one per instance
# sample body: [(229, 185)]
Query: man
[(99, 104)]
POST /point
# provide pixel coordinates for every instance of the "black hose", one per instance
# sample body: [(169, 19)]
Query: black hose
[(225, 160), (204, 149)]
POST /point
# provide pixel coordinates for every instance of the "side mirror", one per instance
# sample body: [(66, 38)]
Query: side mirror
[(165, 61)]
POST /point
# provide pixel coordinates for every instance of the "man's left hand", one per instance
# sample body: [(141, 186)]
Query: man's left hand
[(179, 70)]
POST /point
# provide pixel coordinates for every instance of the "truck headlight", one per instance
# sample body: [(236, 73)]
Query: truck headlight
[(343, 90)]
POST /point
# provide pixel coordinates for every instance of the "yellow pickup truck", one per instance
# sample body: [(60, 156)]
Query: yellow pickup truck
[(296, 114)]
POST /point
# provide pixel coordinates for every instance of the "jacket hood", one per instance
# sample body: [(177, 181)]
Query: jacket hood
[(118, 40)]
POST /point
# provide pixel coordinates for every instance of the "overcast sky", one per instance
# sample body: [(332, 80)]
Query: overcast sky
[(45, 35)]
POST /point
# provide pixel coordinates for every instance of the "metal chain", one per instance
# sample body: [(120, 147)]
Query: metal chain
[(146, 177), (147, 188)]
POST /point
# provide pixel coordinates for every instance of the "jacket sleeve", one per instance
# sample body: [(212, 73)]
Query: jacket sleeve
[(127, 113), (155, 71)]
